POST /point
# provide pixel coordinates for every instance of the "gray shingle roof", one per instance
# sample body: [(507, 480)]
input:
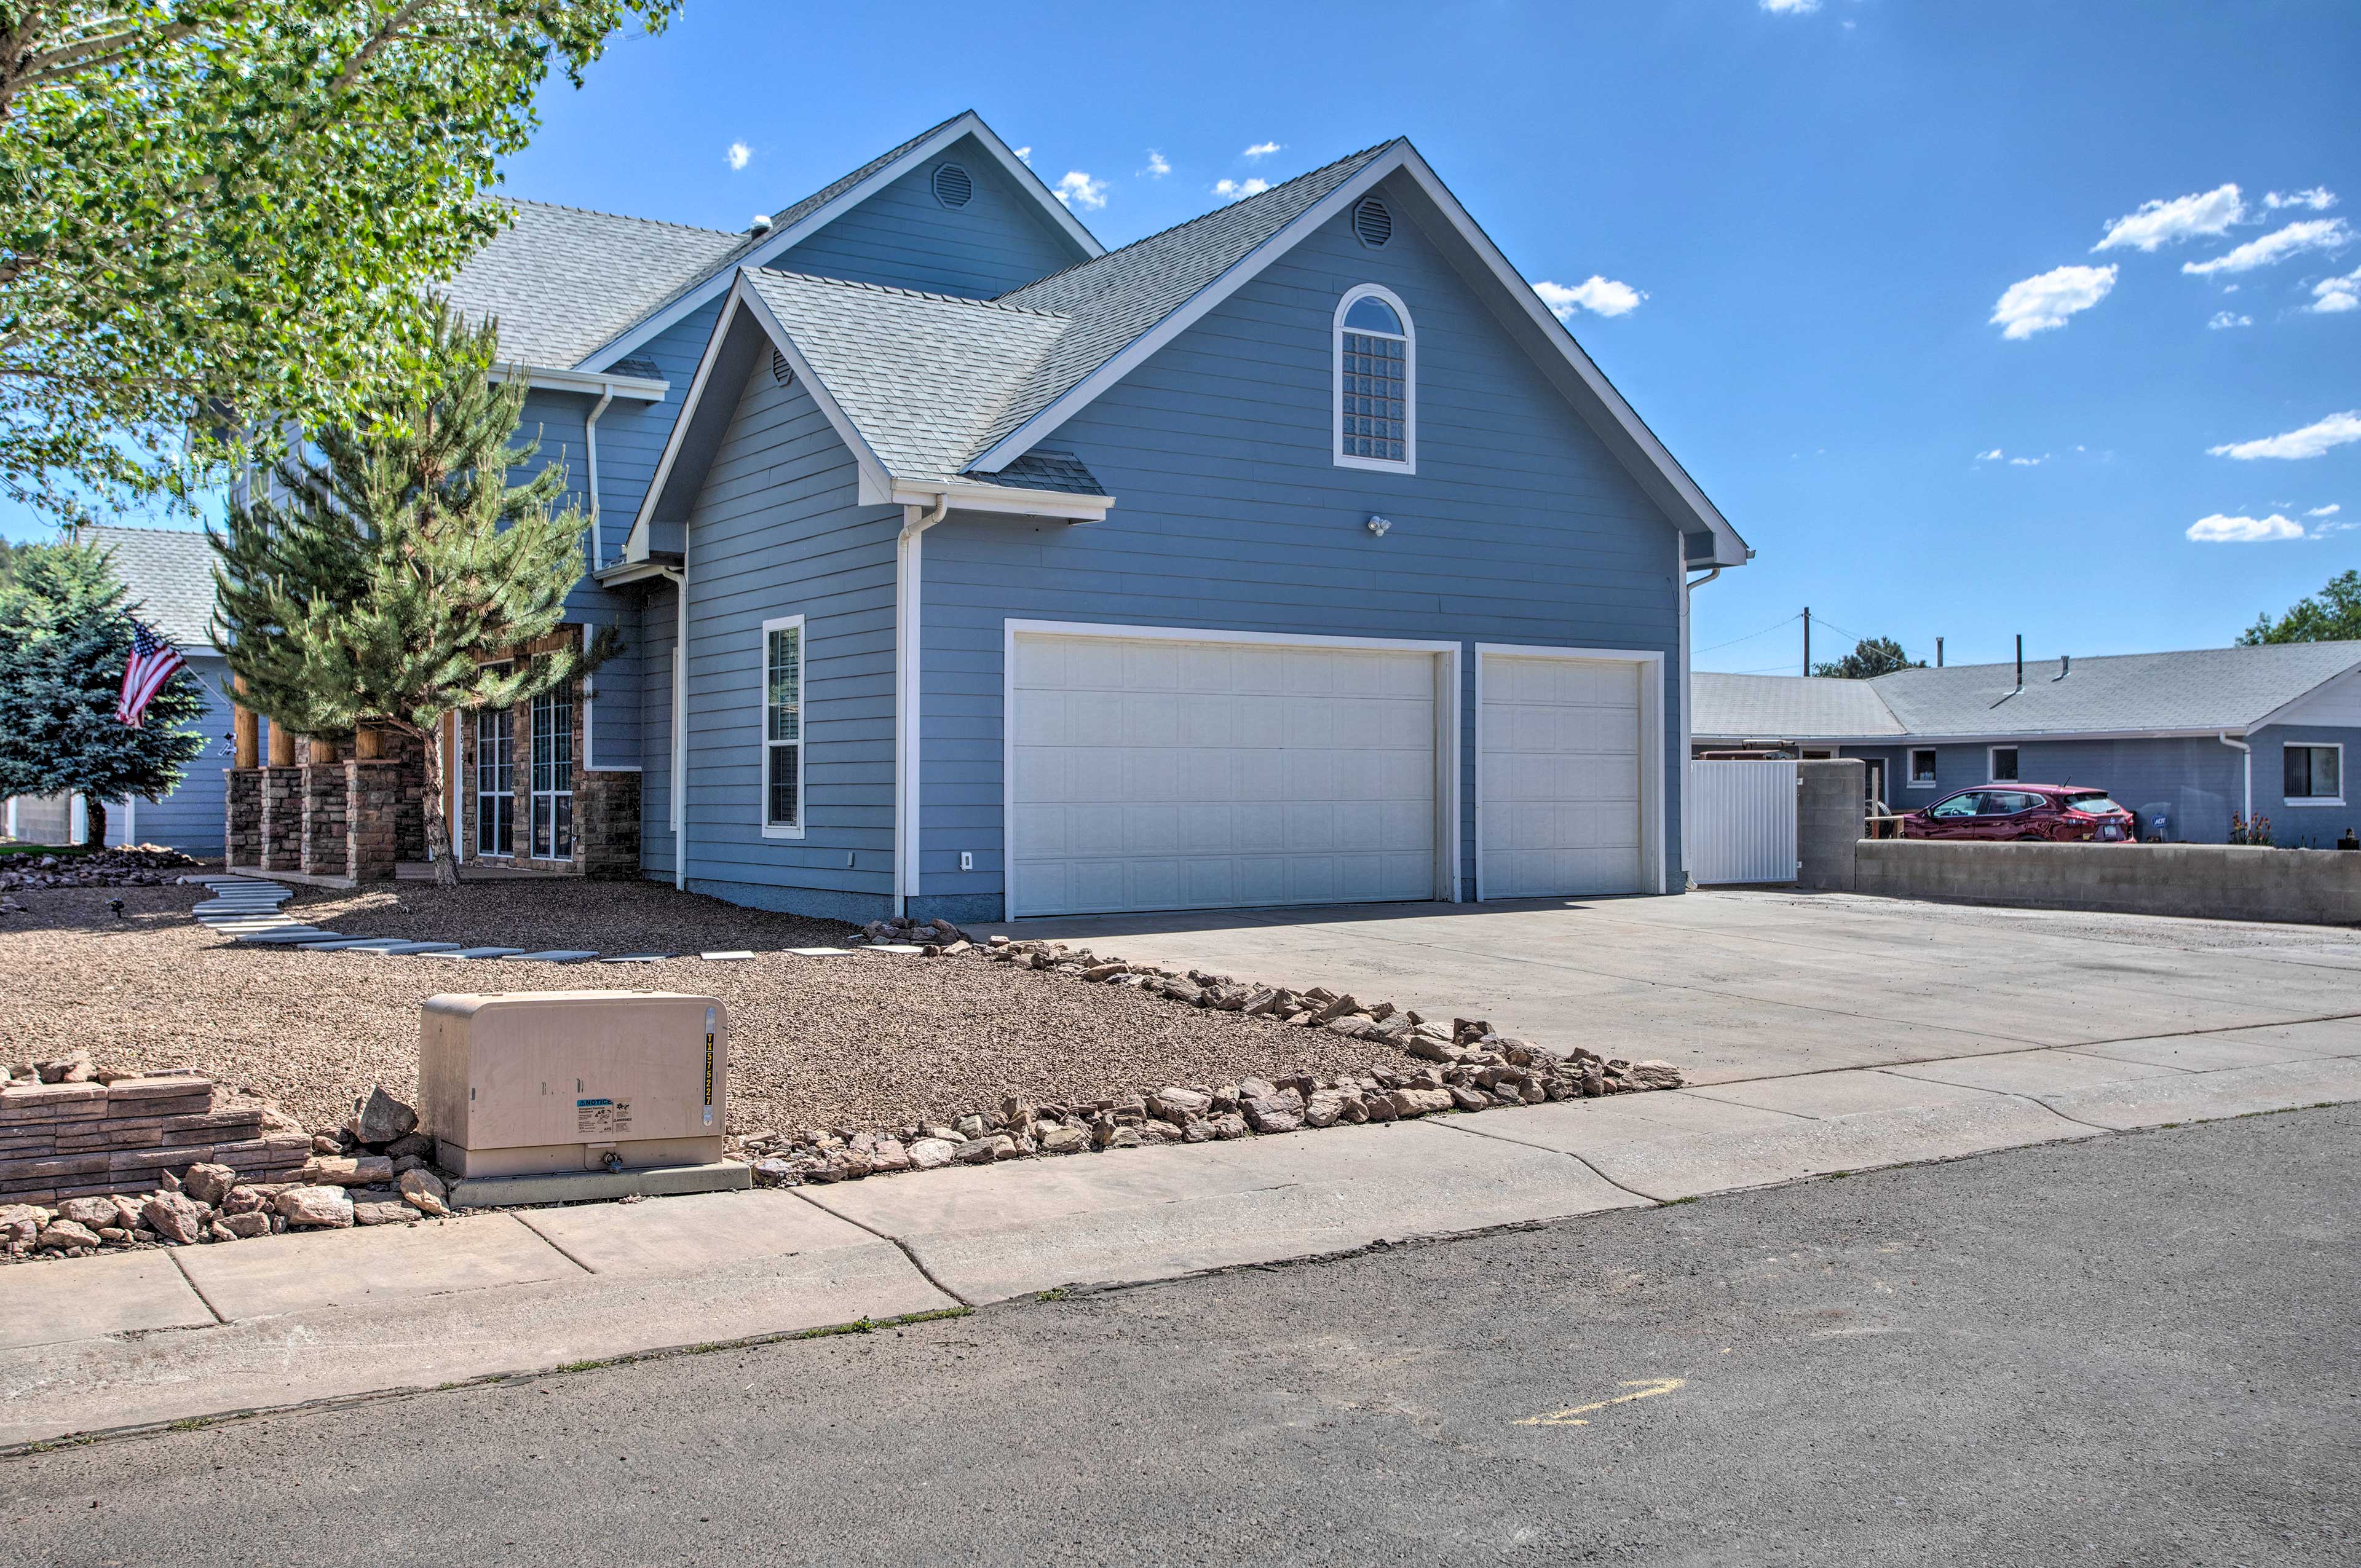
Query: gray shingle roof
[(563, 280), (1043, 470), (2192, 691), (1114, 299), (169, 571), (921, 375), (1775, 708)]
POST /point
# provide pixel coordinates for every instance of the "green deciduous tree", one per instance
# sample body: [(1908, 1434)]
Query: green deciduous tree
[(1871, 656), (2332, 615), (64, 639), (237, 204), (377, 581)]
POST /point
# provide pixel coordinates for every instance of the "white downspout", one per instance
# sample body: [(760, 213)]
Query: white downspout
[(1688, 586), (2248, 767), (590, 544), (679, 580), (907, 793)]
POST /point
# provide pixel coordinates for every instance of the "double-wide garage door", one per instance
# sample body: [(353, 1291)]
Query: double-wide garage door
[(1180, 775)]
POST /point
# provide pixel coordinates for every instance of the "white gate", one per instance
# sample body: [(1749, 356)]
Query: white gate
[(1741, 822)]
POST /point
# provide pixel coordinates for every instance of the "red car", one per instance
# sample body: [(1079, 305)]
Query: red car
[(2052, 812)]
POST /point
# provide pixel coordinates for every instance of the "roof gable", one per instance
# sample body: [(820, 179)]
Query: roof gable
[(815, 212), (170, 575), (563, 279)]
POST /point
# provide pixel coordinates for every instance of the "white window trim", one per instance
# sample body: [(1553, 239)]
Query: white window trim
[(762, 742), (1910, 779), (1446, 723), (1655, 871), (1992, 764), (1354, 295), (2335, 746)]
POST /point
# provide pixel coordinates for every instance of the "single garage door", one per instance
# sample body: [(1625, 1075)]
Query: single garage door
[(1559, 744), (1183, 775)]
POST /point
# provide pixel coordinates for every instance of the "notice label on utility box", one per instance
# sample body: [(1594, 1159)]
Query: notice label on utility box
[(601, 1119)]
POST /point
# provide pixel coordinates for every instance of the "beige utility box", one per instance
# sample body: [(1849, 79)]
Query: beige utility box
[(549, 1080)]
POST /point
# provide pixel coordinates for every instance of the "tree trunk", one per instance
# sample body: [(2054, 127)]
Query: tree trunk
[(94, 823), (438, 827)]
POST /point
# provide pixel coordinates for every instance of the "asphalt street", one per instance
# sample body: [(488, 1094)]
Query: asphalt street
[(2139, 1349)]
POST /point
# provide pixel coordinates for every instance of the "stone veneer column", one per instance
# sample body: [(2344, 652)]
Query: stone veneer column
[(282, 819), (324, 820), (372, 819), (606, 824), (242, 831)]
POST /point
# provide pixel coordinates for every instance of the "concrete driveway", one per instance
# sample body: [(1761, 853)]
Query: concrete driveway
[(1735, 985)]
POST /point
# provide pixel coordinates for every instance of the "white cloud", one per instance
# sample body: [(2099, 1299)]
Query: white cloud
[(2312, 234), (2312, 440), (2221, 319), (2184, 217), (2331, 510), (1077, 186), (1261, 149), (2318, 198), (2221, 530), (738, 154), (1789, 7), (1024, 156), (1599, 296), (1239, 190), (2046, 299), (2029, 462), (1157, 167), (1992, 456), (2332, 296)]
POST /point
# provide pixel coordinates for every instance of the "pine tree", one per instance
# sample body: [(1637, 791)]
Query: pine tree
[(376, 582), (64, 639)]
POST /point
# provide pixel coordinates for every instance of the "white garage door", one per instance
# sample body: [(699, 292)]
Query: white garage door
[(1154, 775), (1561, 783)]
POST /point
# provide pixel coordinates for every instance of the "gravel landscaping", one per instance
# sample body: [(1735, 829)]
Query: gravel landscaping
[(864, 1040)]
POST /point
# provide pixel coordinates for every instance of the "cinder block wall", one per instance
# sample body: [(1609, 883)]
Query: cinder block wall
[(1828, 810), (2217, 882)]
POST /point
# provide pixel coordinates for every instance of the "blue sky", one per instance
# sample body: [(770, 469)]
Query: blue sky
[(1842, 252)]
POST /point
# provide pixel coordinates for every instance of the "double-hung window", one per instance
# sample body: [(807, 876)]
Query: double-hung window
[(1922, 767), (495, 782), (2003, 768), (1376, 417), (553, 774), (2314, 775), (783, 727)]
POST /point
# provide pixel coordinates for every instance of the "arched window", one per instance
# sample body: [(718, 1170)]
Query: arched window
[(1376, 421)]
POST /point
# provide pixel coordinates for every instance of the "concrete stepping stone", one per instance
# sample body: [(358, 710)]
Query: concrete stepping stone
[(821, 952), (410, 949), (293, 937), (739, 955), (470, 954), (892, 948), (557, 956), (339, 944), (635, 957)]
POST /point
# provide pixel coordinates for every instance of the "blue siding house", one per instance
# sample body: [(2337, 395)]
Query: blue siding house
[(2188, 741), (966, 568)]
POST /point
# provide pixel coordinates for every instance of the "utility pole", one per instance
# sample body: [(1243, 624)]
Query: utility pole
[(1808, 639)]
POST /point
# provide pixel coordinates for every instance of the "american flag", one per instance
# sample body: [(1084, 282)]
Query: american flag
[(151, 663)]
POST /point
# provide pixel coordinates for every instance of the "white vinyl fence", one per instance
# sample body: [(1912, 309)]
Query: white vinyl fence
[(1741, 822)]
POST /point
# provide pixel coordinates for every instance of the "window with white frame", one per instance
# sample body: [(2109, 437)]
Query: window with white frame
[(2003, 768), (552, 820), (496, 780), (1376, 421), (783, 727), (2314, 774), (1922, 767)]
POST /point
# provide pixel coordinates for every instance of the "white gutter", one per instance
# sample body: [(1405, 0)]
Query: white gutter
[(549, 378), (907, 793), (678, 577), (1688, 586), (2248, 767)]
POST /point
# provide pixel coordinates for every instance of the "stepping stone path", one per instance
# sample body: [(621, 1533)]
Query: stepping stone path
[(471, 953), (556, 956), (725, 958)]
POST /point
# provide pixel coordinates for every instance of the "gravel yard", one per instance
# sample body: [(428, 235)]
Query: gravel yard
[(867, 1041)]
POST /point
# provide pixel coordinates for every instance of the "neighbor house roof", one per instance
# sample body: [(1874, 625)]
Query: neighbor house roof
[(2197, 691), (562, 280), (168, 574)]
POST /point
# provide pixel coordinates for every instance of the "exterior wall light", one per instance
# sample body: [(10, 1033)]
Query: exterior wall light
[(1378, 525)]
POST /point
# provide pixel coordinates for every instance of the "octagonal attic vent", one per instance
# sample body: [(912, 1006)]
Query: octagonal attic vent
[(953, 188), (1373, 222), (781, 371)]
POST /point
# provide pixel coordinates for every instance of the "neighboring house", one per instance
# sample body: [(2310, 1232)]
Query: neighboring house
[(169, 575), (963, 568), (2192, 738)]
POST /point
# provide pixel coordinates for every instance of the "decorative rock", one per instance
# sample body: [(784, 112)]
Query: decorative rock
[(248, 1226), (378, 1211), (174, 1216), (1065, 1139), (20, 1224), (382, 1118), (1469, 1099), (336, 1171), (246, 1200), (984, 1151), (1324, 1107), (329, 1207), (1181, 1106), (118, 1235), (1420, 1102), (60, 1234), (931, 1154), (1655, 1075), (1229, 1125), (91, 1213), (208, 1183), (411, 1145), (1281, 1111), (424, 1190)]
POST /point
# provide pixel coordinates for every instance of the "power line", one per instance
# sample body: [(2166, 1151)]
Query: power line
[(1749, 637)]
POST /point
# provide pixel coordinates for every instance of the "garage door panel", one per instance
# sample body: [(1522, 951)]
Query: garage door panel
[(1171, 774), (1561, 777)]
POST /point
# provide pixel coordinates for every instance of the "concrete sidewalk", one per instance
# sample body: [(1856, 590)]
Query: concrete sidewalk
[(98, 1343)]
